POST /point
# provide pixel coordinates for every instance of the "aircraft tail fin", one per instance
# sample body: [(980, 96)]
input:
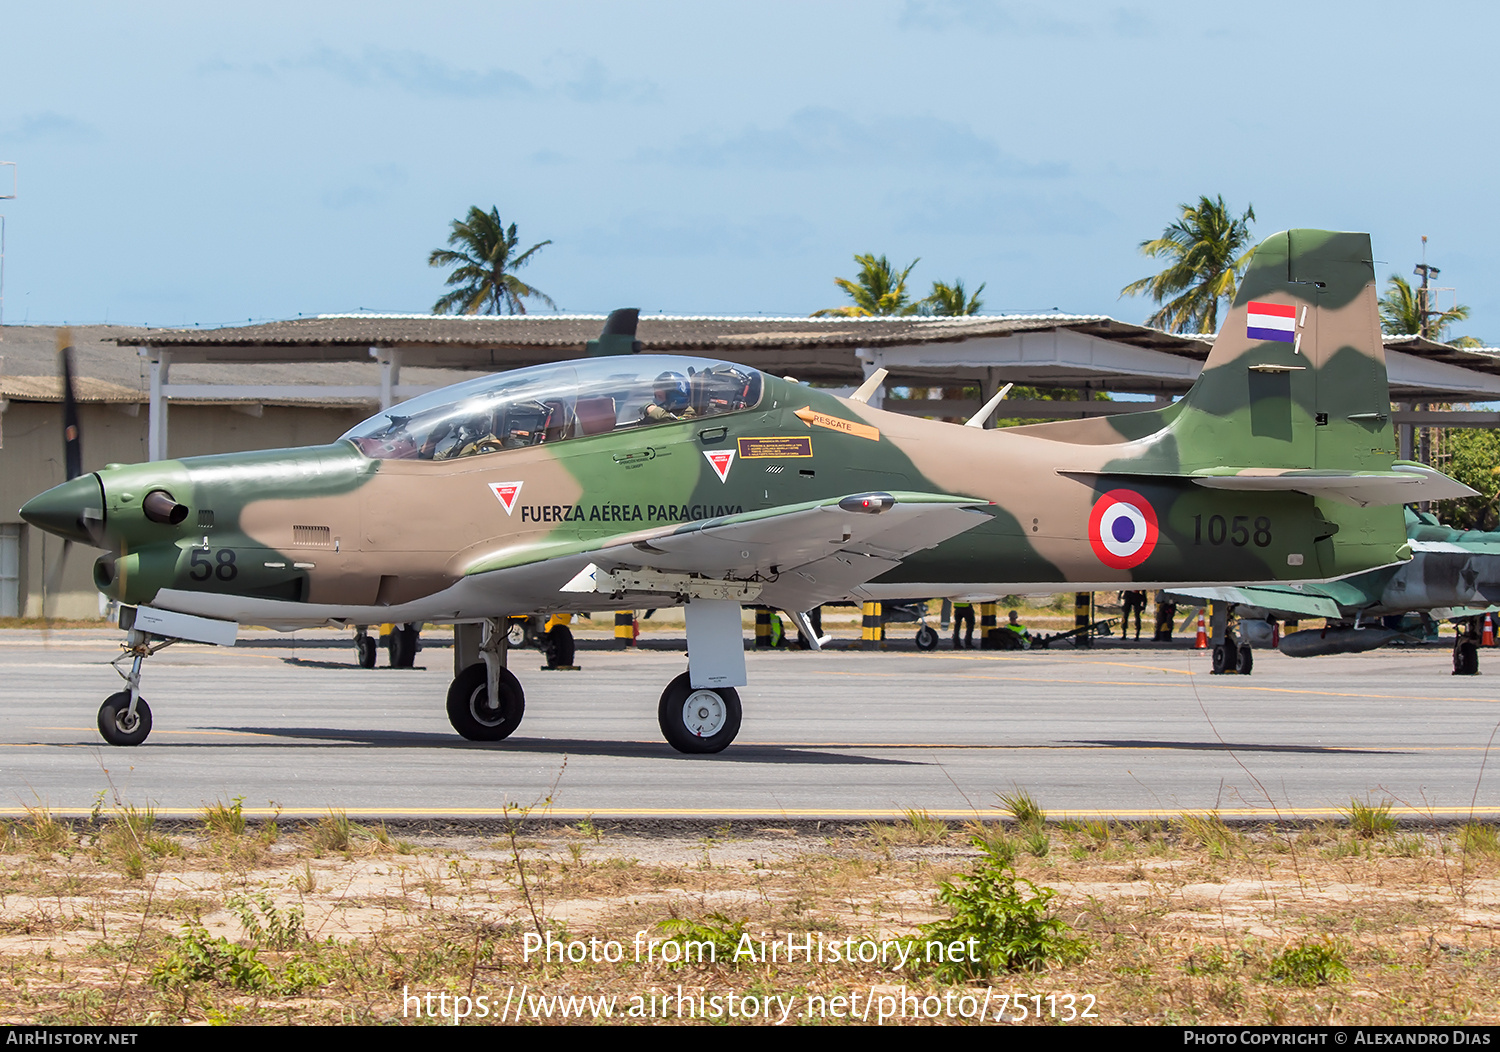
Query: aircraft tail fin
[(1296, 378)]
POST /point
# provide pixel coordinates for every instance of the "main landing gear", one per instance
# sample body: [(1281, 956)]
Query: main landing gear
[(699, 712), (1466, 646)]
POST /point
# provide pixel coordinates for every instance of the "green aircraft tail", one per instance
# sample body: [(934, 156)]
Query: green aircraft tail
[(1297, 377), (1293, 398)]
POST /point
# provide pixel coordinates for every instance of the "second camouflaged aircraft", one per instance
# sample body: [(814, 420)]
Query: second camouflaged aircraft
[(633, 480)]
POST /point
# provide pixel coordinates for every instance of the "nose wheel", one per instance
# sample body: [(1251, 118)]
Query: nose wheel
[(698, 719), (122, 723)]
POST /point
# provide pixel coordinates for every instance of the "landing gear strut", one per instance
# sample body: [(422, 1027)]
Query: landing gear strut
[(485, 701), (125, 718)]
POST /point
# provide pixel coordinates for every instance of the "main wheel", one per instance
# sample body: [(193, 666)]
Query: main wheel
[(927, 638), (116, 723), (470, 711), (367, 650), (1220, 661), (1245, 661), (698, 719), (560, 646), (403, 645), (1466, 658)]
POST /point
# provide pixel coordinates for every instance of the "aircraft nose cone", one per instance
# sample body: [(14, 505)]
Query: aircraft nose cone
[(62, 509)]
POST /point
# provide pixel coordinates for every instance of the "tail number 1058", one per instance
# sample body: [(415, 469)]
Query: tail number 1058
[(1238, 531)]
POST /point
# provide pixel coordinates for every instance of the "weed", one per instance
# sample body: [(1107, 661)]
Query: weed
[(196, 957), (334, 832), (1309, 964), (45, 833), (1037, 842), (926, 829), (589, 829), (1210, 832), (1003, 920), (306, 882), (992, 840), (1212, 961), (712, 939), (1368, 821), (1023, 810), (225, 820), (1476, 838), (265, 924)]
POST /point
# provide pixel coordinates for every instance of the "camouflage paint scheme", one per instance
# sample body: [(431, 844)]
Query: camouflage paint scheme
[(1238, 474), (1451, 574)]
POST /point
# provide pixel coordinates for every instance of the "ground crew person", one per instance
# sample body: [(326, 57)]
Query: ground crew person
[(1131, 601), (963, 614)]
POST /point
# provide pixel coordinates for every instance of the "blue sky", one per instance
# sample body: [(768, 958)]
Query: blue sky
[(182, 165)]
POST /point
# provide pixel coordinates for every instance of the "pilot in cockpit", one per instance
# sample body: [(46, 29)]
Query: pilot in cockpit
[(669, 399)]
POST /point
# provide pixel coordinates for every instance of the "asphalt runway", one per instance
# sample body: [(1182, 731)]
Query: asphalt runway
[(290, 723)]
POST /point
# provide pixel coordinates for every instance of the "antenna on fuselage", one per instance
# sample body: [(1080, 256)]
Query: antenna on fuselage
[(618, 336), (978, 419)]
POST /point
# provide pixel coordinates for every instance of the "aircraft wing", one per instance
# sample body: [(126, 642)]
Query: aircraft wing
[(795, 556)]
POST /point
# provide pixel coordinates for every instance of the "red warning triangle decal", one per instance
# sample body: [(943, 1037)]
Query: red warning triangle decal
[(506, 493), (720, 459)]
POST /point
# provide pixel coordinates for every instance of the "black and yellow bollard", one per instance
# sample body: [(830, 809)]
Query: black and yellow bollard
[(987, 626), (762, 627), (1083, 618), (624, 628), (872, 626)]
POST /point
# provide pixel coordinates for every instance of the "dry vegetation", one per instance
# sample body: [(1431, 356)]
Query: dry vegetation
[(121, 919)]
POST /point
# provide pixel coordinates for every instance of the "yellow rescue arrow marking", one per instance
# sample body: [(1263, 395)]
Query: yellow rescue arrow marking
[(811, 417)]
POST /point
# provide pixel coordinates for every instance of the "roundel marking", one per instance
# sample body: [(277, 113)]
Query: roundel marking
[(1122, 529)]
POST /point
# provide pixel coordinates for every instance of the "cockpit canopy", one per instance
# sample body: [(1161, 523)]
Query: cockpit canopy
[(554, 403)]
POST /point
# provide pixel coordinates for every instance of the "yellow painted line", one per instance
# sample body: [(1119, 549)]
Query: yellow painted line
[(828, 814)]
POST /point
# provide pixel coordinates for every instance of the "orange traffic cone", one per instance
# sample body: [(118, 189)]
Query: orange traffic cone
[(1202, 643), (1488, 638)]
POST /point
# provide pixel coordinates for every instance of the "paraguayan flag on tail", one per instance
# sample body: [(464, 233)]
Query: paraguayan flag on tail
[(1271, 321)]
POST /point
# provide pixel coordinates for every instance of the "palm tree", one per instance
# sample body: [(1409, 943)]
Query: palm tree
[(485, 261), (949, 300), (1401, 312), (1208, 253), (878, 290)]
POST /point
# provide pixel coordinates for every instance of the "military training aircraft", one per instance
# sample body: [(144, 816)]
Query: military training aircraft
[(629, 480), (1452, 575)]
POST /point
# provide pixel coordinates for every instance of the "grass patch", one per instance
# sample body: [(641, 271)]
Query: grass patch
[(1309, 964), (1023, 810), (1368, 821)]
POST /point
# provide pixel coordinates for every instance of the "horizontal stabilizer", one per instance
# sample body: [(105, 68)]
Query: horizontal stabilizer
[(1405, 483)]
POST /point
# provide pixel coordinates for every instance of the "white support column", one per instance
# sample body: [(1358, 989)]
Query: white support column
[(390, 373), (156, 418)]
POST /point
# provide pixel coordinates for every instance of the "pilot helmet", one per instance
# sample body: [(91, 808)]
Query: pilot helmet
[(671, 392)]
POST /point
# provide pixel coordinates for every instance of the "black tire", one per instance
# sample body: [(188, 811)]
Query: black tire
[(927, 638), (708, 726), (114, 722), (1466, 658), (559, 647), (469, 710), (1220, 661), (1246, 660), (367, 649), (403, 645), (516, 634)]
